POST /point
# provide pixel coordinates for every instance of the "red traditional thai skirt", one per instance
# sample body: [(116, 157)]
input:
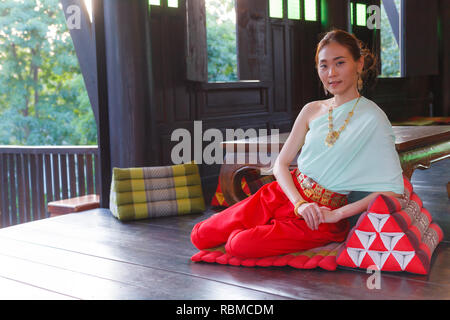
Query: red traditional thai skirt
[(265, 224)]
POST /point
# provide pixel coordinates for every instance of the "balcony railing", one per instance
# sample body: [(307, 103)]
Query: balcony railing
[(30, 177)]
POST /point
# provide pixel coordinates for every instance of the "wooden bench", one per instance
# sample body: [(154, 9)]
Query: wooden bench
[(418, 147), (77, 204)]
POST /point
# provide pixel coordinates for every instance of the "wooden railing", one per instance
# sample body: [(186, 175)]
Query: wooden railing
[(30, 177)]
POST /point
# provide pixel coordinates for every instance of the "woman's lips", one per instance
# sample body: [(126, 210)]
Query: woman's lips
[(335, 83)]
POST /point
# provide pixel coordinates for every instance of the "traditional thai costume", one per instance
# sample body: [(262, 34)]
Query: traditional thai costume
[(362, 159)]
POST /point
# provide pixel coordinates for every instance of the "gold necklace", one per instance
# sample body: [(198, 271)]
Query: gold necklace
[(334, 135)]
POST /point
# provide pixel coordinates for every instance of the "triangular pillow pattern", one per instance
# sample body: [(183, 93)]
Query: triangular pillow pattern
[(394, 234)]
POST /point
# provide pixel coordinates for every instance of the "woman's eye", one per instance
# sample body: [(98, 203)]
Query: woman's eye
[(341, 62), (323, 66)]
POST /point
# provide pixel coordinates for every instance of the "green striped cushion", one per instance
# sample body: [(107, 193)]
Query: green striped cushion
[(156, 183), (140, 193)]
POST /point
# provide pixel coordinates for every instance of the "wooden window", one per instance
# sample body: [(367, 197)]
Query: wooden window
[(352, 5), (172, 3), (358, 14), (252, 59), (221, 40), (361, 14), (294, 9), (310, 10), (276, 9), (407, 27)]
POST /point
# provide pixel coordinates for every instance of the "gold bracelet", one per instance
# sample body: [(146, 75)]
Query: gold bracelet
[(297, 205)]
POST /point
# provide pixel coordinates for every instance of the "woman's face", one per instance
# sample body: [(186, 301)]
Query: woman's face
[(337, 70)]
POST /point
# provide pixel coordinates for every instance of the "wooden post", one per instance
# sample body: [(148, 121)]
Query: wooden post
[(126, 129), (251, 32), (335, 14), (443, 96), (196, 48), (129, 80), (103, 159)]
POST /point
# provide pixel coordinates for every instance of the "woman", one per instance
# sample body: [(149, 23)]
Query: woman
[(347, 145)]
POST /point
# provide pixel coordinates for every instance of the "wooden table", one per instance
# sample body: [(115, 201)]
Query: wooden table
[(92, 255), (418, 147)]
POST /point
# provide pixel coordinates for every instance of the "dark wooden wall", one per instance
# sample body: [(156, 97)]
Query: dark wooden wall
[(286, 74), (144, 91)]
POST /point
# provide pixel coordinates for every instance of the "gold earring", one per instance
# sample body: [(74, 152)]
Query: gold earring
[(360, 82)]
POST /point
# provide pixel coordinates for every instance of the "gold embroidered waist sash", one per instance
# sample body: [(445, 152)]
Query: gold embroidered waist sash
[(315, 192)]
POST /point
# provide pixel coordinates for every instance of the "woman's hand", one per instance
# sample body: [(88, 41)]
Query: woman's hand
[(315, 215), (330, 216), (312, 214)]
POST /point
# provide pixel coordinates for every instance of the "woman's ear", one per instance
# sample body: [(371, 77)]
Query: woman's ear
[(360, 64)]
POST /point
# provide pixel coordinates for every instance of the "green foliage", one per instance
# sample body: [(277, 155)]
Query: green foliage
[(390, 53), (43, 99), (221, 40)]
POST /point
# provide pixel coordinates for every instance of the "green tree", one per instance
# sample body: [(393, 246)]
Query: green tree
[(390, 53), (43, 100), (221, 40)]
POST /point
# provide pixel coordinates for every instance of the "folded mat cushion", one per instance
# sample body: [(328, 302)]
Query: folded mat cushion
[(182, 192), (394, 234), (156, 183), (148, 192), (155, 172)]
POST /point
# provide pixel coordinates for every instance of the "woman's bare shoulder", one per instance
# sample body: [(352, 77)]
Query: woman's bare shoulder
[(315, 109)]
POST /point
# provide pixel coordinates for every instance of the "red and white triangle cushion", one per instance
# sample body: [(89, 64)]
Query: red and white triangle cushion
[(394, 234)]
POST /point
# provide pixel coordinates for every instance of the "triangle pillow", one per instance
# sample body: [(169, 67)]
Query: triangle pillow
[(394, 234)]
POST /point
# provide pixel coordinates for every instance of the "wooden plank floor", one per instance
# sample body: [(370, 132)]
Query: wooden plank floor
[(91, 255)]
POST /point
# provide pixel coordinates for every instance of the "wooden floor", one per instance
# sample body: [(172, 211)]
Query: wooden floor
[(92, 255)]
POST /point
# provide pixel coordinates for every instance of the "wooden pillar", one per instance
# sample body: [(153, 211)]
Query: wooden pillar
[(417, 37), (129, 83), (335, 14), (103, 163), (443, 86)]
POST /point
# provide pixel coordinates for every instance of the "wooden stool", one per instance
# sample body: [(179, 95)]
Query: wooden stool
[(78, 204)]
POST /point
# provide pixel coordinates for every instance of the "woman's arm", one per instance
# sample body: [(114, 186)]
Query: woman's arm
[(354, 208), (294, 142), (311, 212)]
